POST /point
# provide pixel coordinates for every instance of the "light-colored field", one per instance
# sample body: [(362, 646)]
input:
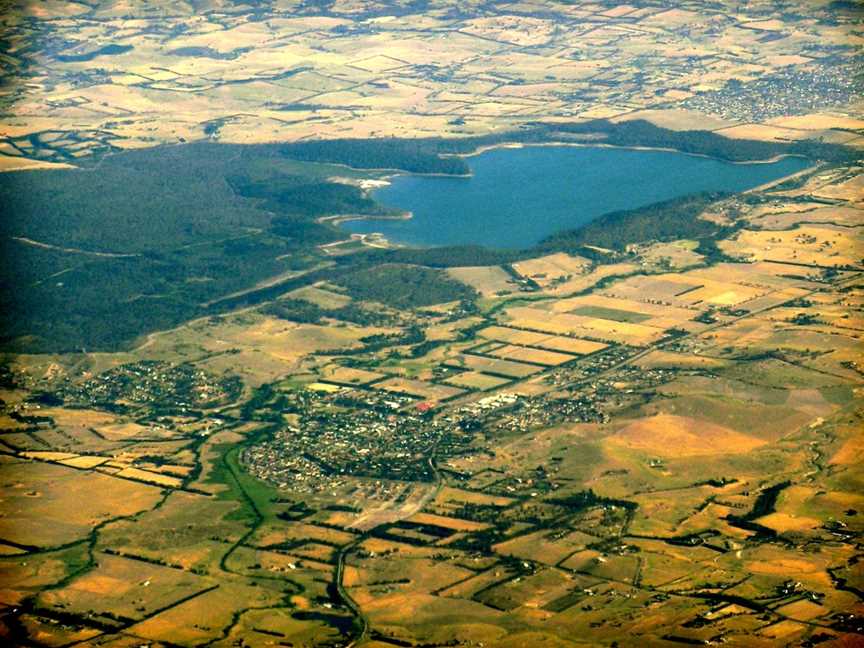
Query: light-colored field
[(493, 366), (674, 436), (666, 359), (723, 405), (315, 551), (123, 587), (788, 217), (578, 325), (851, 452), (449, 330), (447, 522), (421, 615), (123, 431), (349, 375), (660, 515), (467, 588), (530, 592), (554, 267), (536, 356), (196, 620), (476, 380), (618, 12), (50, 505), (166, 535), (677, 119), (289, 563), (668, 288), (803, 610), (611, 314), (77, 425), (320, 296), (723, 284), (326, 388), (448, 496), (259, 628), (724, 294), (571, 345), (418, 388), (263, 349), (614, 567), (785, 522), (825, 245), (544, 546), (43, 455), (673, 255), (10, 163), (281, 532), (543, 340), (662, 563), (640, 311), (378, 63), (524, 31), (150, 477), (579, 283), (512, 336), (851, 190), (487, 280), (425, 575), (761, 132), (819, 121), (85, 462)]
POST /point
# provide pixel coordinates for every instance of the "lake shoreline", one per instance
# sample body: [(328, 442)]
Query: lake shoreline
[(533, 178), (394, 172), (599, 144), (338, 219)]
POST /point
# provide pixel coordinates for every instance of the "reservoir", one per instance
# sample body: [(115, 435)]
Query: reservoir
[(518, 196)]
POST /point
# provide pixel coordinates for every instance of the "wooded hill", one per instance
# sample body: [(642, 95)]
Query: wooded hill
[(146, 239)]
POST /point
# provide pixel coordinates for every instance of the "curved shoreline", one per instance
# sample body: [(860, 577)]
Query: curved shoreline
[(600, 144), (394, 172), (338, 219)]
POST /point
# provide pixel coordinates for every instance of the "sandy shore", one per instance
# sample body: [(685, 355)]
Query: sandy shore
[(599, 144), (338, 219)]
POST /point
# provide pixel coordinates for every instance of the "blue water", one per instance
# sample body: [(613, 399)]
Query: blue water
[(516, 197)]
